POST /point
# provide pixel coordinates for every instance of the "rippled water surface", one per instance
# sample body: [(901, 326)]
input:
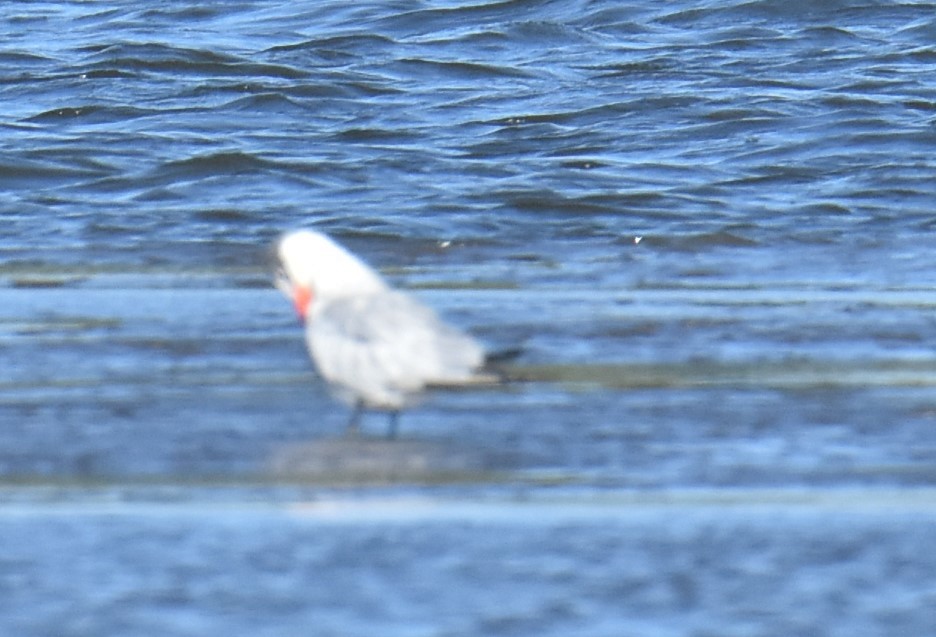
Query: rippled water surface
[(708, 225)]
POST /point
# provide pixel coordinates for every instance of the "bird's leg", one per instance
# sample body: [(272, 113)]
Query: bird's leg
[(354, 428), (394, 424)]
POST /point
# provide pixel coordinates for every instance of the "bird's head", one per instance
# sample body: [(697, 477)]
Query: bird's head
[(314, 270)]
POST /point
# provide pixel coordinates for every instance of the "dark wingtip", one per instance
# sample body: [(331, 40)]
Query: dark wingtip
[(502, 356), (497, 364)]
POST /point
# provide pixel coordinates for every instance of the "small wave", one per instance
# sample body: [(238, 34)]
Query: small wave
[(432, 20), (104, 73), (92, 113), (769, 11), (576, 117), (23, 58), (464, 70), (325, 48), (644, 66), (696, 242), (549, 201), (359, 135), (223, 215), (214, 163), (159, 58), (267, 103), (24, 171)]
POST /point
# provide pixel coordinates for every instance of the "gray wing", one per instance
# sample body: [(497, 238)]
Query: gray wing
[(382, 347)]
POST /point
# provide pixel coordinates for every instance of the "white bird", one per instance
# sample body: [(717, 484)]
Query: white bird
[(377, 348)]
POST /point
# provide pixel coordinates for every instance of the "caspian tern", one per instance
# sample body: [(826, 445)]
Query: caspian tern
[(376, 347)]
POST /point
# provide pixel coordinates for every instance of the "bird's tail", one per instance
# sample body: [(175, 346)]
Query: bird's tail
[(494, 371)]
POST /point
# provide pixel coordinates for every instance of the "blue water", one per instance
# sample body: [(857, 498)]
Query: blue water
[(709, 227)]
